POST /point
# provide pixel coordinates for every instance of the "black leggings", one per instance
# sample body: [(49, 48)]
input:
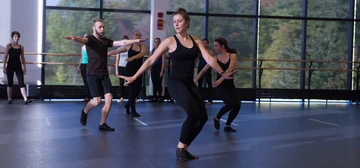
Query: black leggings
[(188, 97), (227, 92), (156, 80), (83, 68), (208, 81), (121, 80), (10, 76), (134, 90)]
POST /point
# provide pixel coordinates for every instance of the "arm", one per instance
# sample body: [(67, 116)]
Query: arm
[(163, 57), (117, 64), (23, 59), (201, 73), (127, 42), (140, 55), (6, 58), (164, 46), (117, 51), (78, 39)]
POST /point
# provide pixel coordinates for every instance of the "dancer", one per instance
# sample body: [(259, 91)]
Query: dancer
[(157, 73), (82, 69), (120, 63), (97, 72), (183, 50), (136, 52), (227, 59), (13, 59), (202, 64)]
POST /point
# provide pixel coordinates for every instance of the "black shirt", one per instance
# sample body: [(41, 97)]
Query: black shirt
[(14, 57), (183, 61), (97, 55)]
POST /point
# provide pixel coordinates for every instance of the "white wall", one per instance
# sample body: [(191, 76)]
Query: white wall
[(22, 16), (157, 6)]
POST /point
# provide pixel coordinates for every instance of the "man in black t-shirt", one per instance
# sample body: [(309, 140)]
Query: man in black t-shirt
[(97, 72)]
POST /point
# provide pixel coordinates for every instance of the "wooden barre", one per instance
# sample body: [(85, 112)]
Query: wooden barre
[(239, 59)]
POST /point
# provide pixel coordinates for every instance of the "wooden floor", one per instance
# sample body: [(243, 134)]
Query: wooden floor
[(270, 135)]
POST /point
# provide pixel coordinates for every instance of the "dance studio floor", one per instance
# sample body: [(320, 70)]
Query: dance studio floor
[(270, 135)]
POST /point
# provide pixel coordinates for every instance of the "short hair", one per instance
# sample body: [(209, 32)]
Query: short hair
[(15, 33), (184, 14), (97, 20), (125, 37)]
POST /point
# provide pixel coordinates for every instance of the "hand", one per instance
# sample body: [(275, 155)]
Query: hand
[(24, 71), (68, 37), (149, 73), (127, 79), (142, 40), (227, 75), (117, 73), (4, 70), (129, 59), (78, 69), (161, 74), (216, 83)]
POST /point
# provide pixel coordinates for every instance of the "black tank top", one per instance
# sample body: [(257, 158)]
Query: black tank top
[(14, 57), (133, 66), (183, 61), (224, 67)]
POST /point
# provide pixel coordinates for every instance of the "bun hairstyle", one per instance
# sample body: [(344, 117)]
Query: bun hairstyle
[(15, 33), (223, 42), (184, 14)]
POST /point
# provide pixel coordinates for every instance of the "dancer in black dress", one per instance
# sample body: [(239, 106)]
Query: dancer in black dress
[(227, 59), (13, 59), (183, 50), (136, 53)]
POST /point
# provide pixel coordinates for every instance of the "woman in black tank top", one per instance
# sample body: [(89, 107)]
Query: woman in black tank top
[(136, 52), (13, 59), (183, 50), (225, 88)]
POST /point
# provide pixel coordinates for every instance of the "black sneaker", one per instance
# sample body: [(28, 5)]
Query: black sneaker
[(105, 127), (180, 154), (10, 102), (229, 129), (27, 101), (83, 118), (190, 156), (135, 114), (216, 123)]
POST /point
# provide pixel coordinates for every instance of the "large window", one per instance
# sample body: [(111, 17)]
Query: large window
[(241, 7), (280, 39), (62, 23), (76, 19), (328, 40), (273, 32), (281, 8)]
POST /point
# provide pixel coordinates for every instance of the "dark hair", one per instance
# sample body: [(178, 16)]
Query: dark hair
[(125, 37), (157, 38), (206, 40), (184, 14), (223, 42), (15, 33), (97, 20)]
